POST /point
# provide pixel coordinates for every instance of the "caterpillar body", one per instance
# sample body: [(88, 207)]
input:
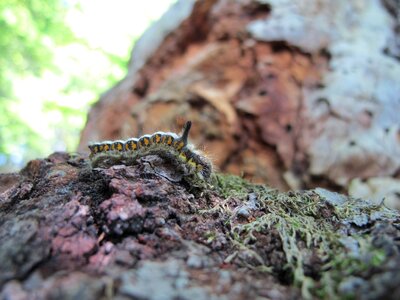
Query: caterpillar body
[(165, 144)]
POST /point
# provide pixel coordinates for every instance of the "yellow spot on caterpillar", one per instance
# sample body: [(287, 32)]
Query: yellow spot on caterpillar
[(179, 145), (101, 148), (156, 138), (182, 156), (169, 140), (131, 145), (95, 149), (191, 163), (117, 146), (106, 147), (144, 141)]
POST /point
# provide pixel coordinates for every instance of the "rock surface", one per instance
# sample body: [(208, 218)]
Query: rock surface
[(69, 231)]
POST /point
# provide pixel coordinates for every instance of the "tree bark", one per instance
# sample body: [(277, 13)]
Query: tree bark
[(296, 94), (293, 95), (146, 231)]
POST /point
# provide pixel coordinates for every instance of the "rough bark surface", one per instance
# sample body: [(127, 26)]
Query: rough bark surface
[(68, 231), (295, 95)]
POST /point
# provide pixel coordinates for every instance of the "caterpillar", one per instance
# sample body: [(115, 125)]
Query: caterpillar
[(165, 144)]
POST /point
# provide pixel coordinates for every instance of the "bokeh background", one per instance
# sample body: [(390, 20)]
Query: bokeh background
[(56, 58), (294, 94)]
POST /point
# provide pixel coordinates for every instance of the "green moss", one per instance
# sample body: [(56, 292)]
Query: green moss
[(210, 236), (230, 185), (304, 222)]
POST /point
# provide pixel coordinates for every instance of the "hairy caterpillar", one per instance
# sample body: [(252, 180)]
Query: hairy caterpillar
[(165, 144)]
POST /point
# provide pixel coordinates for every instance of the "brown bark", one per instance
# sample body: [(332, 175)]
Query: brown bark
[(280, 93), (293, 104), (69, 231)]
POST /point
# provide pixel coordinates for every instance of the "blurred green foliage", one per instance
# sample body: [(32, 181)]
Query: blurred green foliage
[(29, 31), (56, 58)]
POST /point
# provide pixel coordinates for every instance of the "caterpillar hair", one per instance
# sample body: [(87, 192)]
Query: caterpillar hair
[(164, 144)]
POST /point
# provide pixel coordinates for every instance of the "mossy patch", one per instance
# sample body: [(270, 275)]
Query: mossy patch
[(328, 247)]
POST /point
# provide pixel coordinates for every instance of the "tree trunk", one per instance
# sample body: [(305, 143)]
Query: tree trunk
[(293, 95), (281, 91)]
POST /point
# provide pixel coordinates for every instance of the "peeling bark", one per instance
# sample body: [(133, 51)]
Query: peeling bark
[(295, 95)]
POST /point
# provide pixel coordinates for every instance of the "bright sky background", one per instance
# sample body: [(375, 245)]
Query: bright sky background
[(107, 27), (112, 25)]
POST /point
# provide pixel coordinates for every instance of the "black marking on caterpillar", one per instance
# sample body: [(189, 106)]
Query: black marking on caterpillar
[(164, 144)]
